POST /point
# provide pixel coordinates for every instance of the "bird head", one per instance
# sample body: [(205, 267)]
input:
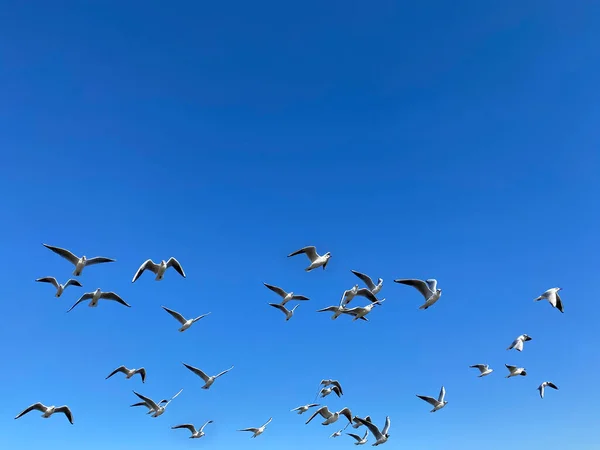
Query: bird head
[(439, 291), (526, 337), (559, 289), (327, 255)]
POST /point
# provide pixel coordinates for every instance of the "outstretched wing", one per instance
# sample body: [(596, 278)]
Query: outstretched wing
[(386, 427), (281, 308), (364, 292), (172, 262), (189, 426), (114, 297), (198, 372), (432, 401), (276, 289), (358, 438), (121, 369), (224, 372), (83, 298), (142, 373), (442, 395), (98, 260), (149, 402), (51, 280), (205, 423), (66, 411), (552, 385), (420, 285), (329, 309), (310, 251), (148, 264), (371, 427), (73, 282), (365, 279), (176, 315), (36, 406), (64, 253), (323, 411)]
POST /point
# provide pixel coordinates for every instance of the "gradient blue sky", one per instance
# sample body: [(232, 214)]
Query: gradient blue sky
[(455, 140)]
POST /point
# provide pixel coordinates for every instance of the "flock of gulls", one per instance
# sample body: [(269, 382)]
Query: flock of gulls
[(427, 288)]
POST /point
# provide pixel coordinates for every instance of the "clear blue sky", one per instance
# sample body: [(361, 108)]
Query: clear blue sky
[(454, 140)]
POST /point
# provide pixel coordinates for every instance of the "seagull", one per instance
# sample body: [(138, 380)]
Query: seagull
[(380, 436), (288, 313), (334, 386), (60, 288), (79, 263), (349, 294), (483, 368), (358, 424), (159, 269), (331, 417), (207, 379), (129, 372), (47, 411), (287, 296), (553, 298), (337, 433), (156, 409), (195, 433), (258, 431), (186, 323), (518, 342), (359, 440), (543, 385), (360, 312), (374, 288), (437, 404), (96, 296), (515, 371), (304, 408), (150, 410), (316, 260), (427, 288), (337, 311), (328, 390)]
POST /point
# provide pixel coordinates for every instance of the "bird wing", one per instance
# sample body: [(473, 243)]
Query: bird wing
[(371, 427), (253, 430), (552, 385), (559, 304), (201, 317), (518, 345), (366, 434), (442, 395), (329, 309), (122, 369), (197, 372), (180, 391), (432, 284), (176, 315), (420, 285), (310, 251), (312, 405), (148, 264), (337, 390), (338, 385), (346, 413), (98, 260), (172, 262), (83, 298), (224, 372), (267, 423), (205, 423), (142, 373), (299, 297), (36, 406), (386, 427), (49, 280), (66, 411), (280, 308), (364, 292), (323, 411), (115, 297), (73, 282), (481, 367), (276, 289), (511, 368), (358, 438), (64, 253), (149, 402), (365, 279), (189, 426), (432, 401)]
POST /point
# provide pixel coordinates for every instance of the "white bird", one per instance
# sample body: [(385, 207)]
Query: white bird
[(374, 288), (382, 436), (47, 411), (129, 372), (208, 380), (349, 294), (515, 371), (517, 344), (359, 440), (60, 288), (302, 409), (332, 384), (156, 409), (316, 260), (287, 296), (96, 296), (78, 262), (546, 384), (337, 433), (195, 433), (358, 424), (484, 369), (331, 417), (359, 312), (553, 298), (159, 269), (428, 290), (186, 323), (437, 404), (258, 431), (329, 382), (288, 312)]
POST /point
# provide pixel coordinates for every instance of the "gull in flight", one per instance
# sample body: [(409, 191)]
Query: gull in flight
[(329, 387), (515, 371), (258, 431), (288, 312), (78, 262), (129, 372), (287, 296), (337, 311), (337, 433), (207, 379), (437, 404), (47, 411), (484, 369), (155, 409), (159, 269), (185, 323), (374, 288), (60, 288), (349, 294), (329, 382), (96, 296), (316, 260), (304, 408), (195, 433), (517, 344), (380, 436), (428, 289), (329, 416), (328, 390), (359, 312), (553, 298), (358, 424), (150, 410), (359, 440), (544, 385)]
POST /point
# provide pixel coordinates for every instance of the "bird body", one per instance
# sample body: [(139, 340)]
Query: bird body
[(515, 371), (60, 288), (545, 384), (185, 323), (316, 260), (159, 269), (553, 298), (484, 369), (129, 373), (47, 411), (78, 262), (96, 296), (517, 344)]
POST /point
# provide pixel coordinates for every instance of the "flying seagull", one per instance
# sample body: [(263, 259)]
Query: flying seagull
[(437, 404), (208, 380), (258, 431), (349, 294), (47, 411), (288, 312), (329, 382), (60, 288), (159, 269), (483, 368), (358, 424), (544, 385), (287, 296), (359, 312), (96, 296), (331, 417), (328, 390), (553, 298), (515, 371), (186, 323), (359, 440), (337, 311), (428, 290), (195, 433), (78, 262), (517, 344), (129, 372), (337, 433), (156, 409), (374, 288), (150, 410), (304, 408), (316, 260), (380, 436)]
